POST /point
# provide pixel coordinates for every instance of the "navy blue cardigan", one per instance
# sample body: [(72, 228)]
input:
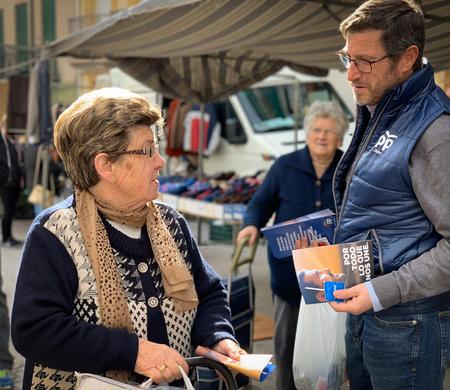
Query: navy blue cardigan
[(290, 190), (44, 330)]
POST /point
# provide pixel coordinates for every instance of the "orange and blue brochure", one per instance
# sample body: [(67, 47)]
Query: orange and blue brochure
[(351, 263), (255, 366), (318, 227)]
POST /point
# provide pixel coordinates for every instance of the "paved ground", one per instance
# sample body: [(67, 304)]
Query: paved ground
[(219, 255), (9, 267)]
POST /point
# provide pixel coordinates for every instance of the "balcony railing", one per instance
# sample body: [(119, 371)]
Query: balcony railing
[(15, 59), (81, 22)]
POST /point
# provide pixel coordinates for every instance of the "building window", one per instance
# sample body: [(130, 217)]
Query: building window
[(2, 41), (48, 20), (22, 32)]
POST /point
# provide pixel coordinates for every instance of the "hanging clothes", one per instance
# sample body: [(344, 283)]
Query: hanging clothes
[(17, 102), (39, 124), (211, 130), (45, 118), (175, 127)]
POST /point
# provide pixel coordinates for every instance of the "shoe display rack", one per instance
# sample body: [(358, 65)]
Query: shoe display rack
[(231, 213)]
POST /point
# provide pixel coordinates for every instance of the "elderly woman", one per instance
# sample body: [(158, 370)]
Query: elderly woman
[(297, 184), (112, 282)]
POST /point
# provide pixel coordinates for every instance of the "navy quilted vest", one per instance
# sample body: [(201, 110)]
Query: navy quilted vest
[(373, 190)]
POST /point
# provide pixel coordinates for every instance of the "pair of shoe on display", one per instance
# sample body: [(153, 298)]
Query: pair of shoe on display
[(6, 380), (224, 187), (11, 243)]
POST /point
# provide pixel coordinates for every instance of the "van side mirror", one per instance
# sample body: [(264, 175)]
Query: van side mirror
[(234, 133)]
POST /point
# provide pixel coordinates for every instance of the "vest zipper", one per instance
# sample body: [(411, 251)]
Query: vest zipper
[(361, 150), (374, 234)]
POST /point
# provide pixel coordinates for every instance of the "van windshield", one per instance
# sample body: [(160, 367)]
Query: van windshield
[(272, 108)]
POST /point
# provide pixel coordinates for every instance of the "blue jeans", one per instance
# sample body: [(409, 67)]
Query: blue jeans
[(397, 352)]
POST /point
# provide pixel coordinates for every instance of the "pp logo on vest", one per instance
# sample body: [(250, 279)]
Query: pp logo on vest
[(385, 141)]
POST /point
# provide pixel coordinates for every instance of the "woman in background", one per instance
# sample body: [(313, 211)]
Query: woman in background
[(10, 186), (297, 184)]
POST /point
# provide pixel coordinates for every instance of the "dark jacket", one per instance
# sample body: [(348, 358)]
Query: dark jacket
[(290, 190), (9, 176), (379, 202), (4, 170)]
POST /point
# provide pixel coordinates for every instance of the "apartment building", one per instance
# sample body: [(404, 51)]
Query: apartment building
[(26, 26)]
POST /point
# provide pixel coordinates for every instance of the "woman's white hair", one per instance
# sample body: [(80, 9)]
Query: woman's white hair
[(326, 110)]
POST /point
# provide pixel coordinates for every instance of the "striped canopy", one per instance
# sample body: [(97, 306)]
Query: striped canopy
[(203, 50)]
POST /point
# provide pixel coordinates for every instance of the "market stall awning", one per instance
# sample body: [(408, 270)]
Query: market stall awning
[(202, 50)]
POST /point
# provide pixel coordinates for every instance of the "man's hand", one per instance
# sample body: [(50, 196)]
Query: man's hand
[(357, 300), (304, 243)]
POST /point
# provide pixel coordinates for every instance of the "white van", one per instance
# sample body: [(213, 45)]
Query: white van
[(258, 123)]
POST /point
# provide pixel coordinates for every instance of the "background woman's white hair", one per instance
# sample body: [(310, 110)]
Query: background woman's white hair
[(326, 110)]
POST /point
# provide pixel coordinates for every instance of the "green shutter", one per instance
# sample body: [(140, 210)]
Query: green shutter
[(2, 36), (48, 20), (22, 32), (2, 41)]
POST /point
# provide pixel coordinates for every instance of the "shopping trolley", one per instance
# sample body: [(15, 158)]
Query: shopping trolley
[(241, 299), (241, 294)]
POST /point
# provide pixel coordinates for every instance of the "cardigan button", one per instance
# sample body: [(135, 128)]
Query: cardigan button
[(318, 203), (142, 267), (153, 302), (318, 183)]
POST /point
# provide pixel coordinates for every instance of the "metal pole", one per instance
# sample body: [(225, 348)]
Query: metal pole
[(200, 164), (296, 87), (45, 173), (200, 143), (31, 42)]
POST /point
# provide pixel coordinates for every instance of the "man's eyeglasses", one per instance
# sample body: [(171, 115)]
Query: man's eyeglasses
[(149, 151), (364, 66)]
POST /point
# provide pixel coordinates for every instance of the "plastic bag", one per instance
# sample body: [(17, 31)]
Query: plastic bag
[(319, 352), (97, 382)]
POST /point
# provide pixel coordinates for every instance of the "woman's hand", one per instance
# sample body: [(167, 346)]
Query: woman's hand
[(159, 362), (229, 348), (249, 231)]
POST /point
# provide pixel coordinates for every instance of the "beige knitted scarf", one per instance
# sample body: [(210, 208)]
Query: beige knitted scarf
[(177, 280)]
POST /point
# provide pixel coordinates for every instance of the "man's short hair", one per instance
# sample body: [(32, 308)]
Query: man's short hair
[(401, 21)]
